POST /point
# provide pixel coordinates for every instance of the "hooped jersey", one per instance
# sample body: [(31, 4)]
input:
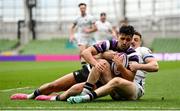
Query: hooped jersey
[(143, 54)]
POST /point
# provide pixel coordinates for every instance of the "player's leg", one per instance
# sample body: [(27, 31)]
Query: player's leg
[(125, 88), (74, 90), (81, 48), (60, 84), (96, 75), (80, 76)]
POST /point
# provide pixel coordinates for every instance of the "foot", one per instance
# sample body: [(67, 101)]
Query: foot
[(44, 98), (75, 99), (19, 96)]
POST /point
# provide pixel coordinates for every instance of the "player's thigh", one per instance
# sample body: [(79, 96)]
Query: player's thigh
[(65, 82), (124, 90)]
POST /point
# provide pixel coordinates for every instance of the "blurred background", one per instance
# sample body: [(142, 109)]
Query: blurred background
[(42, 26)]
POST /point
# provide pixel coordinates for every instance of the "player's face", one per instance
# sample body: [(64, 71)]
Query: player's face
[(124, 41), (136, 41), (103, 18), (82, 9)]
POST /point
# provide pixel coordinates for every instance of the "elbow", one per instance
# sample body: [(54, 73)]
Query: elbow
[(83, 53), (156, 68)]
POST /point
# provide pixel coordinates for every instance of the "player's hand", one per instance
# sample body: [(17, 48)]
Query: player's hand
[(134, 66), (86, 30), (118, 59), (100, 66), (71, 39)]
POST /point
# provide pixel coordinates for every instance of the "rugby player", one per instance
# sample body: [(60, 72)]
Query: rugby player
[(85, 25)]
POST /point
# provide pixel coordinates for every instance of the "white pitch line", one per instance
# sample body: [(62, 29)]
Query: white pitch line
[(7, 90), (81, 108)]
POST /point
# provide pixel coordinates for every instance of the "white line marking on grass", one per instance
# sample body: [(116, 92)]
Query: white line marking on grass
[(97, 108), (7, 90)]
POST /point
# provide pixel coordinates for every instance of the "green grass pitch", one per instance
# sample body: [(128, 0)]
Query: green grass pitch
[(162, 88)]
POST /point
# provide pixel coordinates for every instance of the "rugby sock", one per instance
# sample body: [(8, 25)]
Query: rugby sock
[(34, 94), (87, 88), (58, 98), (90, 96), (83, 63)]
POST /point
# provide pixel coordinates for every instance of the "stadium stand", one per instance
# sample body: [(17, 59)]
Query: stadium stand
[(166, 45)]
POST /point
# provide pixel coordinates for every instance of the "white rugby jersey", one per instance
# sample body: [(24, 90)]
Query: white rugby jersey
[(83, 22), (103, 29), (143, 53)]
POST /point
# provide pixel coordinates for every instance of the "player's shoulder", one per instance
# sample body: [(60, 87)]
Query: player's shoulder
[(98, 22), (143, 48), (144, 52), (77, 17), (90, 16)]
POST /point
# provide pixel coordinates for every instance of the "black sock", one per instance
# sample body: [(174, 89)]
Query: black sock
[(88, 86), (58, 98), (36, 93), (92, 95), (83, 63)]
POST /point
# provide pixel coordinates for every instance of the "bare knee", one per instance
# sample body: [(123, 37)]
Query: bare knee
[(106, 64), (115, 82)]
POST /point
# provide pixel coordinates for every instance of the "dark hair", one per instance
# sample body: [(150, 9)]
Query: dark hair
[(82, 4), (102, 14), (127, 30), (137, 33)]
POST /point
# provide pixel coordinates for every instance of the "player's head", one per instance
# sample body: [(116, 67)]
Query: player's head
[(82, 7), (137, 40), (103, 16), (125, 36)]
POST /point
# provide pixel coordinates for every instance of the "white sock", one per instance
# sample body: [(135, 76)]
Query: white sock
[(85, 91), (30, 96), (53, 98), (86, 97)]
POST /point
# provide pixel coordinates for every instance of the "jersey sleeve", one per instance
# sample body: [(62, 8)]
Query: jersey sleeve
[(106, 45), (146, 53), (109, 26), (75, 21), (93, 20), (134, 57), (102, 46)]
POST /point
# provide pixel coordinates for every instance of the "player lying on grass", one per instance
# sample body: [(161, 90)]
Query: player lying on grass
[(67, 81), (118, 87)]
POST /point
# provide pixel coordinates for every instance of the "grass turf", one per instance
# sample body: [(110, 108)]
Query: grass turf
[(54, 46), (162, 88)]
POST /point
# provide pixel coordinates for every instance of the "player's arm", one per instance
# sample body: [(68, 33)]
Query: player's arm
[(88, 54), (108, 55), (125, 73), (92, 29), (150, 62), (151, 65), (72, 30)]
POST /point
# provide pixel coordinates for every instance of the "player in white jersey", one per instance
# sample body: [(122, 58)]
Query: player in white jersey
[(104, 29), (148, 63), (85, 25)]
